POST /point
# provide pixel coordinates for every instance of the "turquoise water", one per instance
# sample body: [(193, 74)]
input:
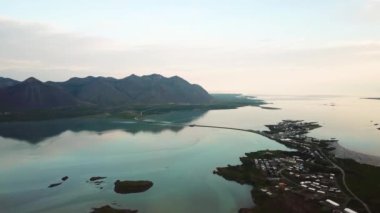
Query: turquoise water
[(179, 160)]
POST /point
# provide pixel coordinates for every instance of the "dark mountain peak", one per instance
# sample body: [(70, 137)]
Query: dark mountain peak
[(110, 78), (153, 76), (6, 82), (96, 90), (103, 91), (133, 76), (73, 79), (77, 80), (179, 79), (175, 77), (92, 78), (130, 77), (32, 80), (34, 94)]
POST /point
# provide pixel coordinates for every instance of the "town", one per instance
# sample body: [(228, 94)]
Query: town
[(305, 174)]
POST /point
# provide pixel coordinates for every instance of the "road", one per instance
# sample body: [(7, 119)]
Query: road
[(224, 127), (344, 182)]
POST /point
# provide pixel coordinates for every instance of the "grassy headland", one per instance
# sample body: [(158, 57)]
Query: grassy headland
[(363, 180)]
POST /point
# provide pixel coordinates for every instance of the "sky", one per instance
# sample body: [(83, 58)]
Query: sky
[(305, 47)]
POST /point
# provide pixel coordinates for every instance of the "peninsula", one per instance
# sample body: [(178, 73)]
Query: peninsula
[(308, 179)]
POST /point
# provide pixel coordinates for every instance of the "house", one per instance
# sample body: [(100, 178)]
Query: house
[(348, 210), (332, 203)]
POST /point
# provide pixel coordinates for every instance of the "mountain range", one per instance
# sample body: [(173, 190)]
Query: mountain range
[(100, 92)]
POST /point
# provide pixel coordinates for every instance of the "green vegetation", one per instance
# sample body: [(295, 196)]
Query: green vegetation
[(242, 174), (236, 100), (246, 173), (363, 180), (285, 202), (316, 167), (269, 154), (220, 101), (49, 114)]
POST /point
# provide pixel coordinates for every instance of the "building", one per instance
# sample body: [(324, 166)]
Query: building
[(348, 210), (333, 203)]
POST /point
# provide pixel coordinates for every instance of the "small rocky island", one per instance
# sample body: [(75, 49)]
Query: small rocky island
[(120, 187), (127, 186), (308, 179)]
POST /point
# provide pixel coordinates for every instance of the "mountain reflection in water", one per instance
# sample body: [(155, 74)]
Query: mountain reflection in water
[(34, 132)]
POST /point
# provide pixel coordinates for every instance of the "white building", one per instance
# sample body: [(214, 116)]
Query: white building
[(348, 210), (332, 203)]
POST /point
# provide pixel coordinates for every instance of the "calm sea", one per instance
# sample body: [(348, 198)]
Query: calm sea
[(178, 159)]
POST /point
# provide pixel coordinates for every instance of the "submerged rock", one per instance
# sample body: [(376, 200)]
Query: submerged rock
[(97, 181), (97, 178), (109, 209), (125, 187), (59, 183), (54, 185)]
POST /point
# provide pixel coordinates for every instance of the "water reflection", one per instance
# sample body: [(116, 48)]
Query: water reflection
[(37, 131), (178, 160)]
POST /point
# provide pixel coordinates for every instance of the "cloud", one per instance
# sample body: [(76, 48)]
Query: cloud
[(298, 66), (32, 49), (370, 10), (40, 46)]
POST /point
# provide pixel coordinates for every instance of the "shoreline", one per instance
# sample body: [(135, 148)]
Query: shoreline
[(280, 178), (344, 153)]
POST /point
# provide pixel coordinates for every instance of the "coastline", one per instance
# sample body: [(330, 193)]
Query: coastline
[(277, 175), (344, 153)]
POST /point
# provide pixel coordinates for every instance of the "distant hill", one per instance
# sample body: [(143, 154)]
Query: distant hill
[(6, 82), (34, 94), (100, 91), (97, 90), (158, 89), (149, 89)]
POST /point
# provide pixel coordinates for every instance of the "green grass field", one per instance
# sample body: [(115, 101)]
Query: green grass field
[(364, 181)]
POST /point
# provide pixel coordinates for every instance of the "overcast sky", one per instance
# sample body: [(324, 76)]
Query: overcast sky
[(246, 46)]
